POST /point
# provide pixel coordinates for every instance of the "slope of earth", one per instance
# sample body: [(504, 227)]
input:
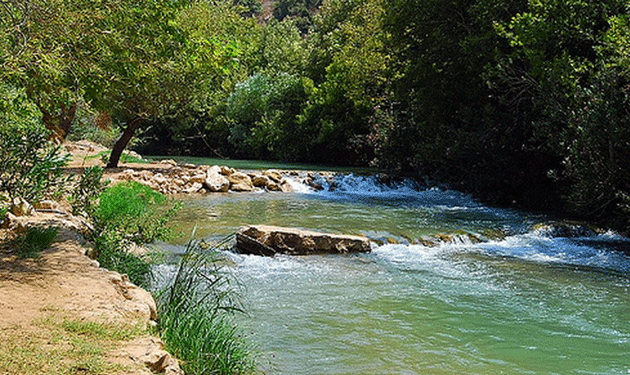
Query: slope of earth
[(63, 314)]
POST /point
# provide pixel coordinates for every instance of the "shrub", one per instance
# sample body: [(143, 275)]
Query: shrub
[(32, 167), (86, 192), (129, 213), (31, 164), (112, 254), (135, 211), (34, 241), (195, 320)]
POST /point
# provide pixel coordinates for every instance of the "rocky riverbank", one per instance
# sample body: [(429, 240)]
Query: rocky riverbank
[(40, 298)]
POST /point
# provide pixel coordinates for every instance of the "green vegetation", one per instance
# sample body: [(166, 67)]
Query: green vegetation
[(127, 213), (134, 211), (519, 102), (64, 346), (31, 165), (195, 324), (31, 243), (86, 192)]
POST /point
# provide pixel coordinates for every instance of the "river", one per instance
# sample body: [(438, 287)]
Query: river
[(521, 301)]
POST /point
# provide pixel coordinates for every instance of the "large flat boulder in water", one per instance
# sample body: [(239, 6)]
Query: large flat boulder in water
[(270, 240)]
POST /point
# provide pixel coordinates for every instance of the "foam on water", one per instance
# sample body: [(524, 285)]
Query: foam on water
[(349, 186), (528, 247)]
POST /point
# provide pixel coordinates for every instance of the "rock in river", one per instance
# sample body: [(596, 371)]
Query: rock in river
[(269, 240)]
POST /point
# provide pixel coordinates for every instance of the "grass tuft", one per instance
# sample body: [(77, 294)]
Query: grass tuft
[(195, 317), (34, 241)]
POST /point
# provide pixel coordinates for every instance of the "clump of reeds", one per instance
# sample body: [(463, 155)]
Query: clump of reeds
[(195, 311)]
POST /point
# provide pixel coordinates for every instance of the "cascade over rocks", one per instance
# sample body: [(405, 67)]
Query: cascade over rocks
[(270, 240)]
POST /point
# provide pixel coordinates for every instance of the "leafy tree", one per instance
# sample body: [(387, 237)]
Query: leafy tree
[(41, 53), (252, 7), (348, 62), (199, 126), (570, 57), (281, 49), (452, 120), (264, 113), (299, 10)]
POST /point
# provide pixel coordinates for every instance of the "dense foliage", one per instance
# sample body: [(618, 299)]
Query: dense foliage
[(30, 166), (126, 213), (519, 102)]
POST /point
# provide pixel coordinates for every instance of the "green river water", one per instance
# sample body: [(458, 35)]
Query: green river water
[(523, 302)]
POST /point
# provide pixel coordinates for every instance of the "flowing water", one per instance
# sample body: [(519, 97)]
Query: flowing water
[(519, 302)]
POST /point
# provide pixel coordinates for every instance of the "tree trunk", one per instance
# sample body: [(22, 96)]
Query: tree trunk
[(60, 124), (132, 125), (66, 118)]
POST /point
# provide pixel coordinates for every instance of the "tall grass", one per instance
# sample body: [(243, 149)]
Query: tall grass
[(130, 213), (195, 312)]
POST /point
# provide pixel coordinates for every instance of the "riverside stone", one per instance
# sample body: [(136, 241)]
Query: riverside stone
[(216, 182), (273, 174), (261, 181), (240, 181), (269, 240), (196, 187)]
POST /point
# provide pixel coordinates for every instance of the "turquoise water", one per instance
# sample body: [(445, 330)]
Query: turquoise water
[(517, 303)]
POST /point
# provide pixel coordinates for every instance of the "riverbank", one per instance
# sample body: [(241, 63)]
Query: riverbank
[(61, 313)]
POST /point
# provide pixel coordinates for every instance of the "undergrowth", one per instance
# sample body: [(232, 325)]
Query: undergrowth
[(34, 241), (196, 323), (130, 213)]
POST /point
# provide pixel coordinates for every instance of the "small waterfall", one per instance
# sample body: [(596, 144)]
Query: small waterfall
[(352, 184), (379, 186)]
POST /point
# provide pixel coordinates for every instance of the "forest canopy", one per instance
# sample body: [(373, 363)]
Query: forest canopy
[(519, 102)]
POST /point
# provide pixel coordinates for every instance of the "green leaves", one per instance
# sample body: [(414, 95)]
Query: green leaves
[(32, 167)]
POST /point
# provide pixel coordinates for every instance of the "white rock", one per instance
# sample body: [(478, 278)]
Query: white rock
[(215, 182), (196, 187)]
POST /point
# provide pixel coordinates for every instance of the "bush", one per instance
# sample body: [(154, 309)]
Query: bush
[(264, 115), (32, 167), (135, 211), (112, 254), (34, 241), (129, 213), (86, 192), (195, 322)]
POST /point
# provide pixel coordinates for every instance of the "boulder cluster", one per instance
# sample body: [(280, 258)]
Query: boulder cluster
[(190, 178)]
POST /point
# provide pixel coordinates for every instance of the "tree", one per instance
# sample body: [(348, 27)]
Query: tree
[(149, 64), (348, 63), (41, 52), (233, 43), (572, 59), (263, 114)]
